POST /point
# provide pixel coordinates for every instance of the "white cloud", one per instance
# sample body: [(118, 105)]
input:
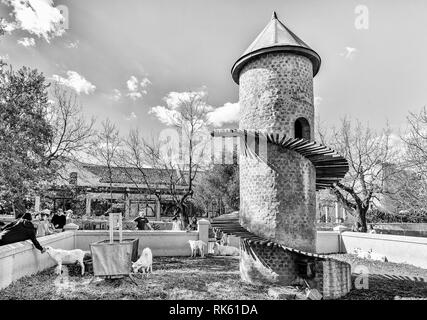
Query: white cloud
[(349, 53), (165, 115), (228, 113), (4, 57), (38, 17), (132, 116), (72, 44), (7, 27), (132, 83), (76, 82), (137, 89), (27, 42), (117, 95), (176, 101)]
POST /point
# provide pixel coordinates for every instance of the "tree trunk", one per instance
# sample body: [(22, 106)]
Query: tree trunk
[(18, 207), (362, 218), (183, 215)]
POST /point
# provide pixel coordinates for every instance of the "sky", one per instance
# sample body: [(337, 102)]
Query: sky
[(123, 57)]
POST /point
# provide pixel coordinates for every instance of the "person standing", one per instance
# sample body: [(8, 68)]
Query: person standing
[(176, 223), (44, 227), (59, 220), (192, 226), (142, 222)]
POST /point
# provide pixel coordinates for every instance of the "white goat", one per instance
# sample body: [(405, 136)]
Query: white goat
[(67, 257), (220, 250), (377, 256), (144, 263), (197, 245), (370, 255)]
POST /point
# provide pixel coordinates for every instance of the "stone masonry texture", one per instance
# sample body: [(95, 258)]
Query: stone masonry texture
[(278, 194), (278, 199), (270, 265), (276, 89)]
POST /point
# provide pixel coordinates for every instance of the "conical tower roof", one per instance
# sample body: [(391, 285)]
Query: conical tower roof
[(276, 37)]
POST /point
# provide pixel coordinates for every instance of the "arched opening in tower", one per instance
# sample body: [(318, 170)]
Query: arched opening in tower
[(302, 129)]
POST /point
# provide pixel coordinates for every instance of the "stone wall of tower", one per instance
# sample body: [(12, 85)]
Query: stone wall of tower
[(278, 199), (277, 195), (275, 89)]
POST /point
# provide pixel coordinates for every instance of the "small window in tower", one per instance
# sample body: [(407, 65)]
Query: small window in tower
[(302, 129)]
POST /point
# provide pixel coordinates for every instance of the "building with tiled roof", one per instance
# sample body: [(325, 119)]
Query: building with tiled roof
[(132, 189)]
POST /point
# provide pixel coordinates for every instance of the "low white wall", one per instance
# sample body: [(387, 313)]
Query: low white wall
[(328, 242), (399, 249), (22, 258), (161, 243)]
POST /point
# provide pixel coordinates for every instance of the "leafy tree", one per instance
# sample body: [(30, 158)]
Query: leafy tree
[(219, 184), (25, 134)]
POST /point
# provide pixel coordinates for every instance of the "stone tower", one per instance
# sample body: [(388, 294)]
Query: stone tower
[(275, 77), (281, 167)]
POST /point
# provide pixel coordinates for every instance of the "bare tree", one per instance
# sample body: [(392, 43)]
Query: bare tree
[(105, 148), (138, 156), (416, 141), (410, 187), (368, 154), (71, 131), (141, 155), (188, 113)]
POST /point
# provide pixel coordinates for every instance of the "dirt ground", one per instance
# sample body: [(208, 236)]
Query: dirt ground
[(173, 278), (183, 278)]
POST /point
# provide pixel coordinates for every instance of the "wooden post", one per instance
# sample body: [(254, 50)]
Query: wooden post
[(37, 204), (88, 204), (111, 229), (158, 209), (337, 212), (115, 220), (127, 205)]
